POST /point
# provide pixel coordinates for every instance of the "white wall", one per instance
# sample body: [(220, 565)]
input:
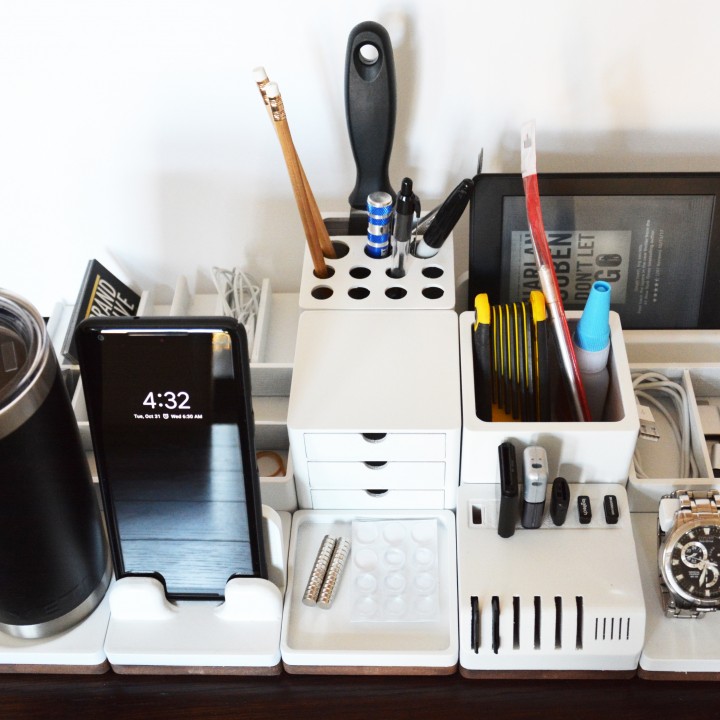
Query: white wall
[(132, 130)]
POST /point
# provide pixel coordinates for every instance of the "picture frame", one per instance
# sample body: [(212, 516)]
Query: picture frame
[(655, 237)]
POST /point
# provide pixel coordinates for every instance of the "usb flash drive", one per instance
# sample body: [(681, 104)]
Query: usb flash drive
[(509, 498), (535, 479), (559, 500), (584, 509), (612, 512)]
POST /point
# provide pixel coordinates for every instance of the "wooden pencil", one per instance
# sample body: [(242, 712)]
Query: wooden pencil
[(323, 237)]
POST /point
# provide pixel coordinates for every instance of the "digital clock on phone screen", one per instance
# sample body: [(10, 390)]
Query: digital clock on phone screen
[(168, 400)]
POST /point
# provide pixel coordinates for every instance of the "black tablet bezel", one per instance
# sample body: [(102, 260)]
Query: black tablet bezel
[(486, 224)]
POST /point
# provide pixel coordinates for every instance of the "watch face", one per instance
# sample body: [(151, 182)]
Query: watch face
[(691, 563)]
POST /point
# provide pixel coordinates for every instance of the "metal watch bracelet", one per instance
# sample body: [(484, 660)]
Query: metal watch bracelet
[(693, 504)]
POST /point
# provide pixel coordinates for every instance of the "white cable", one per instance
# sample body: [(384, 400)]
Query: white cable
[(649, 387), (240, 296)]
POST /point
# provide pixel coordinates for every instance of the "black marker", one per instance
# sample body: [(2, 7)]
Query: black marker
[(509, 500), (444, 221), (406, 206)]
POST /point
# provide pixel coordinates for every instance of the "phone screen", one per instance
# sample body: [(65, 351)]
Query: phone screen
[(173, 437)]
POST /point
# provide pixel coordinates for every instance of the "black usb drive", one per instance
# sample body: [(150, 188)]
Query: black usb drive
[(559, 500), (509, 498), (584, 509), (610, 506)]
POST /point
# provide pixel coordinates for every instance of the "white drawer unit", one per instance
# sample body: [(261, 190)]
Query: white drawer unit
[(377, 476), (374, 418)]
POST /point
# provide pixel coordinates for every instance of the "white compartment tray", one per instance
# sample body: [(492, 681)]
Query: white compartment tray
[(319, 641)]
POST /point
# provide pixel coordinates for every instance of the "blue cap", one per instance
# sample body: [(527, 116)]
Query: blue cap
[(593, 329)]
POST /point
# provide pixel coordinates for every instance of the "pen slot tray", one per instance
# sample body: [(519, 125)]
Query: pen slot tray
[(595, 451), (357, 281), (562, 599)]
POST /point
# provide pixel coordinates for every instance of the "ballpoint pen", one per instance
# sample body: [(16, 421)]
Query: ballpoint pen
[(546, 274), (407, 205), (444, 221)]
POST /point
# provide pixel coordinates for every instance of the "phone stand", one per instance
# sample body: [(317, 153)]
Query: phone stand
[(148, 635)]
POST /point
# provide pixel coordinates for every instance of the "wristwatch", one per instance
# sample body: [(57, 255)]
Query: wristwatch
[(689, 555)]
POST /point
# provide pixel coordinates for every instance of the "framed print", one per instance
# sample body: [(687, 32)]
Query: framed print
[(652, 236)]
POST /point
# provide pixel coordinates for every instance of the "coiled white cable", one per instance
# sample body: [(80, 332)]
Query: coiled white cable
[(240, 296), (651, 385)]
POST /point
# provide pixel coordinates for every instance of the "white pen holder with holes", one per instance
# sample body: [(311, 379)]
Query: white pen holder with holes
[(147, 634), (357, 281), (394, 610), (549, 601), (579, 451)]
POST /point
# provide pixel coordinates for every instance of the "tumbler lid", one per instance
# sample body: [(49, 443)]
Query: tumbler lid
[(24, 350)]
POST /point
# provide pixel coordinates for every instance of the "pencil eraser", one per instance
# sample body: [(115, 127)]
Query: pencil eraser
[(272, 90), (259, 74)]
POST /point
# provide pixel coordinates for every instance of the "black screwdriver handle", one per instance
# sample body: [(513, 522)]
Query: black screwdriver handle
[(370, 108)]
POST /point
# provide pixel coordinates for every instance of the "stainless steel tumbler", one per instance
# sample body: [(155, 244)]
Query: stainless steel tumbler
[(54, 562)]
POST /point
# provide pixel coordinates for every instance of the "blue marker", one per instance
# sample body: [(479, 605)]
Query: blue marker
[(592, 347), (380, 213)]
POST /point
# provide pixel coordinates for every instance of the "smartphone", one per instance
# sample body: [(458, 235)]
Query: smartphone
[(170, 413)]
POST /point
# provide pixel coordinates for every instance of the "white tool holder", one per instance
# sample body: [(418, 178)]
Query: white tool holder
[(359, 282), (580, 451), (147, 634), (561, 600)]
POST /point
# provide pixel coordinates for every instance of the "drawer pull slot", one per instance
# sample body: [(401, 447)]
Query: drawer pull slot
[(374, 437)]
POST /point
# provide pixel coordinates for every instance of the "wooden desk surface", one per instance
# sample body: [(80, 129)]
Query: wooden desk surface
[(110, 696)]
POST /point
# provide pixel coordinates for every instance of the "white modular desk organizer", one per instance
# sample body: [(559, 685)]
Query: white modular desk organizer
[(579, 451), (359, 282), (271, 362), (345, 638), (677, 649), (548, 602), (147, 634), (77, 651), (374, 414)]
